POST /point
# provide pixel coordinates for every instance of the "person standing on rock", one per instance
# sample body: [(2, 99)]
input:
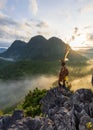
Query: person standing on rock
[(64, 71), (92, 80), (63, 75)]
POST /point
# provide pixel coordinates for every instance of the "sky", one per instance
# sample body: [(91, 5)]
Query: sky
[(70, 20)]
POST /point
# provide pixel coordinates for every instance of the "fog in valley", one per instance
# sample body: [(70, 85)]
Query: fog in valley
[(11, 92)]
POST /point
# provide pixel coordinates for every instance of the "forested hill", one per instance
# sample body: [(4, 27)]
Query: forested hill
[(39, 48)]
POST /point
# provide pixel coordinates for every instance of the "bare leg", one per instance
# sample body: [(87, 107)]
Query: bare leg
[(59, 83)]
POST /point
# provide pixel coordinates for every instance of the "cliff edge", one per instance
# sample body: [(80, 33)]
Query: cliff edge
[(62, 110)]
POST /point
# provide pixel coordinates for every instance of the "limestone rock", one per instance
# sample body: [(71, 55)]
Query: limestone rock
[(63, 110)]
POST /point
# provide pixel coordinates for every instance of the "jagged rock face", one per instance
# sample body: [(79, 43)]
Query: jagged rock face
[(63, 110)]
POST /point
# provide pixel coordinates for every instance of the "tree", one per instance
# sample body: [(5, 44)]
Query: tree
[(31, 104)]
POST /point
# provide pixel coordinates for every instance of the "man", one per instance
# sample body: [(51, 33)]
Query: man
[(63, 75)]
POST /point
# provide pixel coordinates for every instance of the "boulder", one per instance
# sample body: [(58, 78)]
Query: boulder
[(62, 109)]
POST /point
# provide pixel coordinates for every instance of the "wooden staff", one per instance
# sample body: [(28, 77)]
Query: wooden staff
[(66, 54)]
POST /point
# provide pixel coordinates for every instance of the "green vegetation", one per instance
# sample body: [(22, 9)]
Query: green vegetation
[(78, 70), (89, 125), (22, 69), (31, 104), (1, 113), (4, 63)]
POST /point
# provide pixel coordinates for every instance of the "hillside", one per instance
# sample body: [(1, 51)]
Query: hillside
[(62, 110), (39, 48), (15, 50), (38, 56), (2, 49), (87, 53), (23, 69)]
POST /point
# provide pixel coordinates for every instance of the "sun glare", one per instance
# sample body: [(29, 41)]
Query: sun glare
[(78, 43)]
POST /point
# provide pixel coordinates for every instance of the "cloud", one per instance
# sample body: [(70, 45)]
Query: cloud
[(7, 26), (2, 15), (86, 8), (9, 34), (76, 30), (90, 36), (23, 30), (44, 33), (12, 8), (88, 27), (5, 20), (82, 1), (65, 13), (3, 3), (11, 29), (75, 33), (42, 24), (18, 89), (33, 6)]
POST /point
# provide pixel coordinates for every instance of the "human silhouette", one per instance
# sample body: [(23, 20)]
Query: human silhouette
[(63, 74)]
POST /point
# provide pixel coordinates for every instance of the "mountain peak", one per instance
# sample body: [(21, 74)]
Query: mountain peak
[(37, 39), (40, 48), (55, 39), (18, 43)]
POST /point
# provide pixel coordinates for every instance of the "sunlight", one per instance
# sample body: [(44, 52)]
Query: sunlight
[(78, 43)]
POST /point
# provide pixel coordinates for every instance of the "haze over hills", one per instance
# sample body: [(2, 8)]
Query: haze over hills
[(2, 49), (87, 53), (15, 50), (37, 58), (39, 48)]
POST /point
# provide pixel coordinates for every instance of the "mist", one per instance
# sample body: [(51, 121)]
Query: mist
[(84, 82), (12, 92)]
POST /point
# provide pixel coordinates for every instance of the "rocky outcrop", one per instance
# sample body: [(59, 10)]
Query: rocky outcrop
[(62, 110)]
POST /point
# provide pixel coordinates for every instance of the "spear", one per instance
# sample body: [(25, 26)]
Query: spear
[(66, 53)]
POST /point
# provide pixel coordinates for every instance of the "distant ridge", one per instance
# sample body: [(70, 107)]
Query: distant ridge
[(87, 53), (2, 49), (39, 48)]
